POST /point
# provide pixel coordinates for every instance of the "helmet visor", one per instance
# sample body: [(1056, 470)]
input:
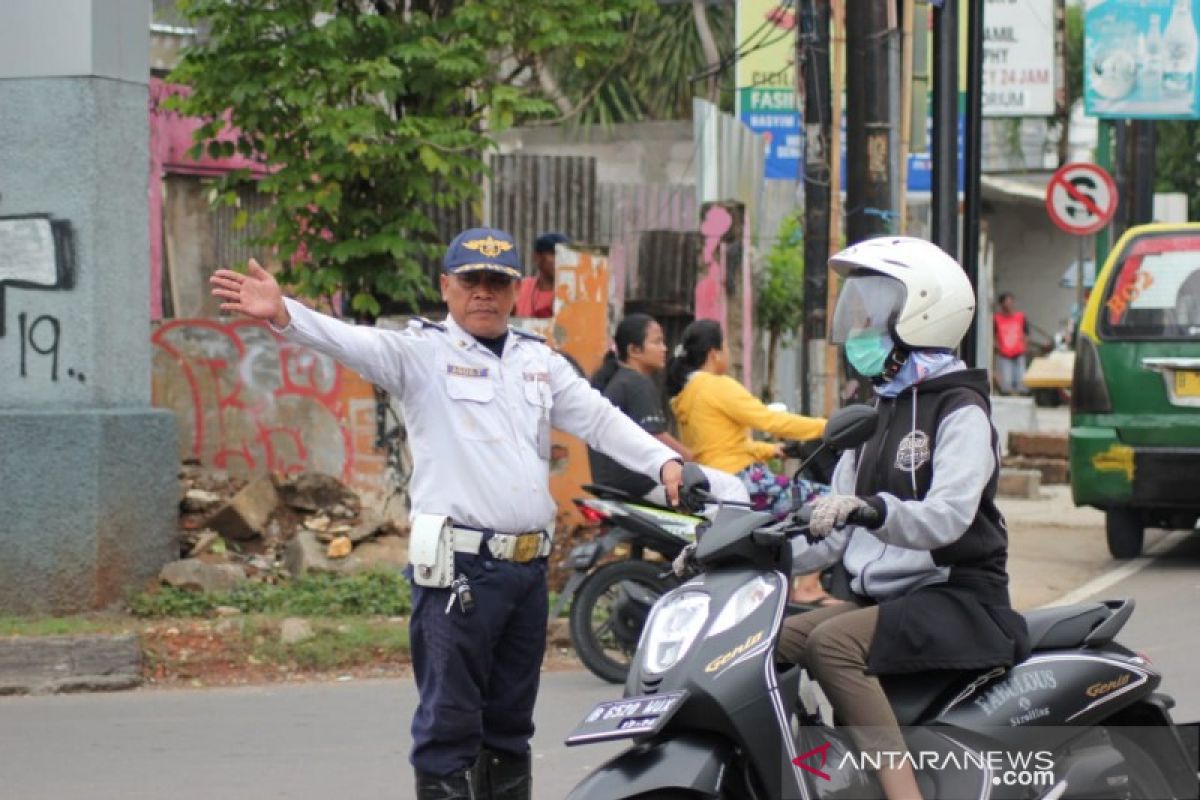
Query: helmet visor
[(867, 303)]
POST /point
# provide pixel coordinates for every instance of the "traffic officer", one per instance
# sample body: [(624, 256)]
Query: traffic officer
[(479, 399)]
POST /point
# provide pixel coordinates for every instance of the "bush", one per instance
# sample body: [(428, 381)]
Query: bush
[(316, 595)]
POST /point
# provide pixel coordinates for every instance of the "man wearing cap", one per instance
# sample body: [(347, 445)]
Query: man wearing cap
[(479, 399), (535, 297)]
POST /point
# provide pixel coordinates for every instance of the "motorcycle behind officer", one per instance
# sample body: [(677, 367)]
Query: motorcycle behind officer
[(479, 400)]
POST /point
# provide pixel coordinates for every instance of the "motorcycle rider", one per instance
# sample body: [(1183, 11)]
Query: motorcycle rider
[(626, 379), (935, 595), (716, 415)]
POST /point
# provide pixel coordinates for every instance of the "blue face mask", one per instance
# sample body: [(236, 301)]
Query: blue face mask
[(867, 352)]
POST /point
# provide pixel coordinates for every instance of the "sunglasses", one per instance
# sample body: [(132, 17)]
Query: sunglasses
[(489, 280)]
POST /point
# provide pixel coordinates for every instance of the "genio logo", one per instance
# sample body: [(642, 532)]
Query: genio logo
[(1104, 687), (730, 655)]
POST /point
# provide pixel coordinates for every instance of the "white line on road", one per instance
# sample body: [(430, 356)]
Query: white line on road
[(1129, 568)]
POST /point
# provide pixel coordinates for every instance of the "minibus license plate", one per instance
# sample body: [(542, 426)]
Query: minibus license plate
[(1187, 383), (622, 719)]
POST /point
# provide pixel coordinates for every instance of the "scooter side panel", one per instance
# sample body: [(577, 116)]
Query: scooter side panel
[(1054, 690), (693, 762)]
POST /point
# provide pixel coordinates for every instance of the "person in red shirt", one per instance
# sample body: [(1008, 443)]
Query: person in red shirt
[(535, 297), (1012, 330)]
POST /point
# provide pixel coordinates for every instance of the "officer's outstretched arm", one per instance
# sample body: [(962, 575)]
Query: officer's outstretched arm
[(582, 411), (385, 357)]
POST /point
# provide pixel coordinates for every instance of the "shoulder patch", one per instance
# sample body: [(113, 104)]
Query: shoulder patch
[(528, 335), (423, 323)]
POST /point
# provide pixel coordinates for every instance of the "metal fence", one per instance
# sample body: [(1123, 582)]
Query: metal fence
[(530, 195)]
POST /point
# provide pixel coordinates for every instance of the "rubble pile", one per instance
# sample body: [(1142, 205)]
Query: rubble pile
[(271, 528)]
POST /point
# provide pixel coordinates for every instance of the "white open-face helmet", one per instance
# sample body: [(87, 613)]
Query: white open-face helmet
[(905, 287)]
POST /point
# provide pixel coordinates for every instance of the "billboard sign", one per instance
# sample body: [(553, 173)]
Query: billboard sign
[(765, 80), (1140, 59), (1018, 58)]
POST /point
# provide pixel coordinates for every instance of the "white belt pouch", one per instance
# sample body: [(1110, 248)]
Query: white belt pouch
[(431, 550)]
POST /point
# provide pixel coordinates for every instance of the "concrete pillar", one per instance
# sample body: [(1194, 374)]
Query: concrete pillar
[(87, 467)]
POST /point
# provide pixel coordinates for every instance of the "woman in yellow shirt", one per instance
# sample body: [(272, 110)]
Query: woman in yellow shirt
[(716, 415)]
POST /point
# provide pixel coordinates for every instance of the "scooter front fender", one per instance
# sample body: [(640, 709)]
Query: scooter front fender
[(691, 762)]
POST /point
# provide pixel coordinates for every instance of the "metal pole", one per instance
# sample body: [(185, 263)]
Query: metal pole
[(868, 122), (944, 147), (973, 156), (812, 58), (1143, 172), (1079, 273), (1104, 159), (837, 43)]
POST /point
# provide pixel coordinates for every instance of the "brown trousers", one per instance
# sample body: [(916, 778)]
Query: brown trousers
[(832, 644)]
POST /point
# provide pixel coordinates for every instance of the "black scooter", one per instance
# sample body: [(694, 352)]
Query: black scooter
[(611, 602), (712, 714)]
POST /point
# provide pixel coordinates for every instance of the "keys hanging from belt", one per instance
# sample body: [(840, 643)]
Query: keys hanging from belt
[(460, 591)]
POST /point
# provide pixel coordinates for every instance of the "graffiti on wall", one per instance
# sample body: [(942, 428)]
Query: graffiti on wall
[(249, 402), (36, 253)]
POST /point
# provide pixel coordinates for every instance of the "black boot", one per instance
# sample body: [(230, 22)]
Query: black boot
[(508, 776), (458, 786)]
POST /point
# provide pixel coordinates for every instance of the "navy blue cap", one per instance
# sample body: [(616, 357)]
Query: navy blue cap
[(489, 249), (547, 241)]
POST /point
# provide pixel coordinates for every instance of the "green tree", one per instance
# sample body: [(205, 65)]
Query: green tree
[(369, 114), (674, 51), (1177, 160), (779, 292)]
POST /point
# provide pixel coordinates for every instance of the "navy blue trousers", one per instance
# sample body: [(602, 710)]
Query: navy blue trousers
[(477, 675)]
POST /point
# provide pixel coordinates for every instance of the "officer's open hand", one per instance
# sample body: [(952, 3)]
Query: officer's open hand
[(255, 294), (672, 480)]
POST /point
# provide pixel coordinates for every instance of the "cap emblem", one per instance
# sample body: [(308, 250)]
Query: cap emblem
[(489, 247)]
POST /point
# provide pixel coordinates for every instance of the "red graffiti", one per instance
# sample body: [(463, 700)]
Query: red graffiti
[(248, 401)]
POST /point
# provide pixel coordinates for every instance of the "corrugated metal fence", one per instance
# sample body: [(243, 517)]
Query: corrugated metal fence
[(530, 195)]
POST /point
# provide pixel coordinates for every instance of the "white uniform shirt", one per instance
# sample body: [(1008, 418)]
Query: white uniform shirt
[(473, 418)]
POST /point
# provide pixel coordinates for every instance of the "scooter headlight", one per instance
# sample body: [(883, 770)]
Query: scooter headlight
[(752, 594), (673, 629)]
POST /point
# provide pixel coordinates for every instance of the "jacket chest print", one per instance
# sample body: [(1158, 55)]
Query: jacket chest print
[(913, 451)]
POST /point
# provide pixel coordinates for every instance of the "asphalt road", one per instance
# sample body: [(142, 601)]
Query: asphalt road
[(349, 740)]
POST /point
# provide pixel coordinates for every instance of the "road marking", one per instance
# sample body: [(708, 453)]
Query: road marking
[(1126, 570)]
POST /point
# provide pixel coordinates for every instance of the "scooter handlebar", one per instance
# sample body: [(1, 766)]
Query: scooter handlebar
[(864, 516)]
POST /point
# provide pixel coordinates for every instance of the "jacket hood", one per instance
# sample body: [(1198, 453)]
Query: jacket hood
[(974, 379)]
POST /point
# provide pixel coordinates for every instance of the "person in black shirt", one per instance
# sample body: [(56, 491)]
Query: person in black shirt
[(625, 378)]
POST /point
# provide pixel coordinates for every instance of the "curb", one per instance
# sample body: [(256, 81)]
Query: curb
[(59, 664)]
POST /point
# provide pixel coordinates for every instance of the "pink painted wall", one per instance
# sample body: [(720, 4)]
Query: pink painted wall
[(170, 139)]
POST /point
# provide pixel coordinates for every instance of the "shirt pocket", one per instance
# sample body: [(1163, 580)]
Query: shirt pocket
[(472, 404), (538, 394)]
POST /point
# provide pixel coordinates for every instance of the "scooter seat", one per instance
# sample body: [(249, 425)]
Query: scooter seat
[(1060, 627), (911, 696)]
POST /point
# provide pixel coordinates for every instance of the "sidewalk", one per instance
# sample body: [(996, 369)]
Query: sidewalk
[(1054, 547)]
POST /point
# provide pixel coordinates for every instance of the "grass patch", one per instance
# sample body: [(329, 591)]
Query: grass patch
[(72, 625), (318, 595), (335, 645)]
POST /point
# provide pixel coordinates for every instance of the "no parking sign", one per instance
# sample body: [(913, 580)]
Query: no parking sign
[(1081, 198)]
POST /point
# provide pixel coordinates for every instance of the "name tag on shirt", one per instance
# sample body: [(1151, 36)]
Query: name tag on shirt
[(466, 372)]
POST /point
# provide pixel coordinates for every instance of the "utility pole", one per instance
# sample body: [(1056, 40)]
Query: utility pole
[(869, 152), (973, 156), (1142, 147), (944, 147), (812, 61)]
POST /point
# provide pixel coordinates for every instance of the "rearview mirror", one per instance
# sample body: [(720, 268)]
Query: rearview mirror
[(851, 426)]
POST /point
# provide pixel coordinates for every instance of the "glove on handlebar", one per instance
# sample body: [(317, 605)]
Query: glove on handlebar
[(685, 564), (832, 512)]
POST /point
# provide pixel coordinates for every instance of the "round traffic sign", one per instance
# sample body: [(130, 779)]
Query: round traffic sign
[(1081, 198)]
